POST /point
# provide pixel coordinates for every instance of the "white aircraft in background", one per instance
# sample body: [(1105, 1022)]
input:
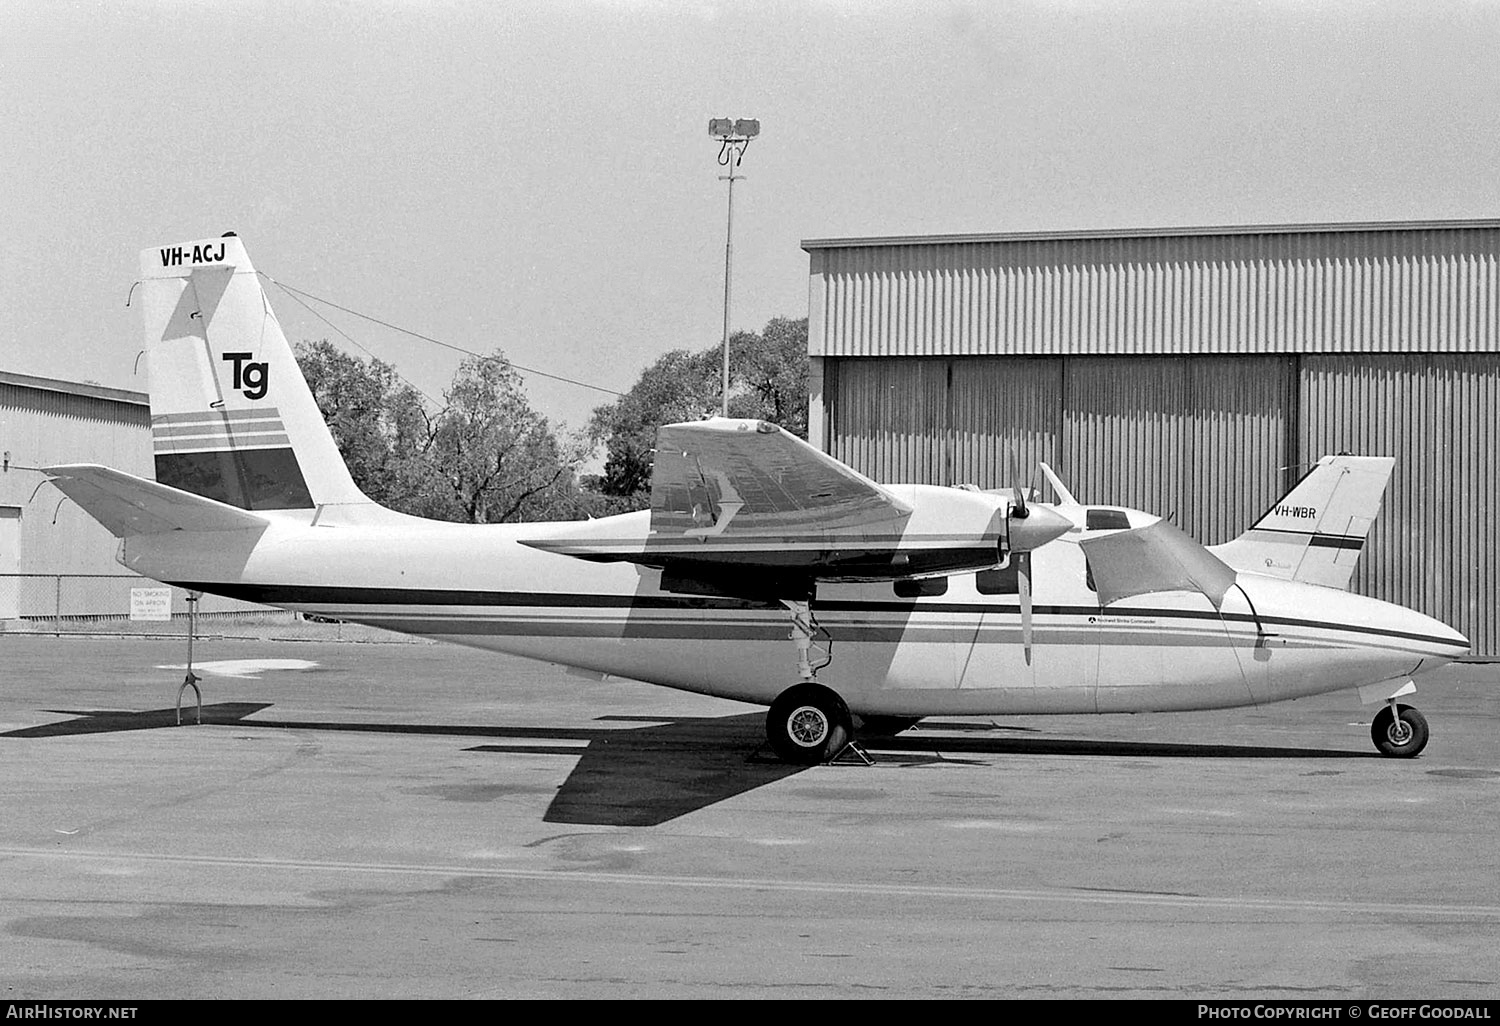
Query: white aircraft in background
[(903, 601)]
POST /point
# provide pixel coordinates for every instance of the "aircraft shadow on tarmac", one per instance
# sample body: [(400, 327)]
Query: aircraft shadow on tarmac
[(652, 773), (110, 721)]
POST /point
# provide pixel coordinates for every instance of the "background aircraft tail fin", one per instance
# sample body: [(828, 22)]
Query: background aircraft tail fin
[(1316, 532), (232, 418)]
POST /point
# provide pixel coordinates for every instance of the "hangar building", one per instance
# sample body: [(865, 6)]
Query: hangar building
[(43, 539), (1191, 372)]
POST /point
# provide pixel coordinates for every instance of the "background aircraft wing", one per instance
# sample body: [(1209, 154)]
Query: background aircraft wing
[(1151, 559)]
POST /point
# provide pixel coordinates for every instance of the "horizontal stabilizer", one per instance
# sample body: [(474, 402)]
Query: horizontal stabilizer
[(129, 505)]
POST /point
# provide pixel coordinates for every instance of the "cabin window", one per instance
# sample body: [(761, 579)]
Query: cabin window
[(1106, 520), (1001, 581), (924, 588)]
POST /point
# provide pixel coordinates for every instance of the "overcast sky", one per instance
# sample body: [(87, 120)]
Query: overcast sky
[(539, 178)]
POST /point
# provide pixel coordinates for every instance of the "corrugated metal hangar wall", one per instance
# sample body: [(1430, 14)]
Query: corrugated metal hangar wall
[(1190, 372), (44, 422)]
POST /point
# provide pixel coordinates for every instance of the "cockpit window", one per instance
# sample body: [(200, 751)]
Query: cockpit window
[(922, 588), (1106, 520)]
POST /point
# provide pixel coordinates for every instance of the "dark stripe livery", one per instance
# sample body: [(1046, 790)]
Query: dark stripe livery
[(320, 596), (247, 478)]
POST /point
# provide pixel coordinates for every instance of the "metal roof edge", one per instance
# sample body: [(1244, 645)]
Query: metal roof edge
[(118, 395), (1148, 233)]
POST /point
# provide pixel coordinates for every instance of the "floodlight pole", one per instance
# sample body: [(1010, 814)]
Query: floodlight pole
[(733, 162), (733, 135)]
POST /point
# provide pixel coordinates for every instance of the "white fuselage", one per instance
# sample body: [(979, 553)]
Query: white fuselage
[(956, 652)]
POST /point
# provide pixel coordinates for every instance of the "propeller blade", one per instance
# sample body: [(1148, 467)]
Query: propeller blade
[(1023, 588)]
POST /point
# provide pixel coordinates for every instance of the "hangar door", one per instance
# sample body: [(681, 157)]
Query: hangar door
[(1434, 546), (1204, 439), (10, 562), (936, 420)]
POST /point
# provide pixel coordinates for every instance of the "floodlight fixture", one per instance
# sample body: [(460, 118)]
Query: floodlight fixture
[(734, 129)]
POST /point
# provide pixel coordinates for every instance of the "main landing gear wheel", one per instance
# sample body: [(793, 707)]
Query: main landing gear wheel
[(808, 724), (1402, 737)]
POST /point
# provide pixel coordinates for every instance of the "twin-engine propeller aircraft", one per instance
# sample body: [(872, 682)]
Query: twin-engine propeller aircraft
[(901, 601)]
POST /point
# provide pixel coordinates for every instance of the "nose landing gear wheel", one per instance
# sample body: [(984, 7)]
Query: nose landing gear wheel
[(808, 724), (1399, 739)]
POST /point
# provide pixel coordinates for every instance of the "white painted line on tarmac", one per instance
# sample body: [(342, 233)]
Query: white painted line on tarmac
[(250, 669), (1364, 909)]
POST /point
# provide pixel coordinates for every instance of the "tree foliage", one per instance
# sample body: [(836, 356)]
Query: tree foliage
[(377, 420), (486, 457), (768, 381), (770, 370), (497, 456)]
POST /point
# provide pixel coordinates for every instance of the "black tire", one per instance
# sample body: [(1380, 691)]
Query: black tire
[(886, 726), (1402, 743), (808, 724)]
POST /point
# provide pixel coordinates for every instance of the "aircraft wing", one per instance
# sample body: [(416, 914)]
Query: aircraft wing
[(1155, 558), (737, 500), (744, 477), (127, 505)]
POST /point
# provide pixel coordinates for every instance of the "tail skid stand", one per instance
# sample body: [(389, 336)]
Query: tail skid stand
[(809, 722), (192, 679)]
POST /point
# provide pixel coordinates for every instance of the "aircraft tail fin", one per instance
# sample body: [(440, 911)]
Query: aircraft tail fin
[(1316, 532), (232, 418)]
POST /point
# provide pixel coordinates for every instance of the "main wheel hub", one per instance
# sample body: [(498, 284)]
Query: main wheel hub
[(808, 726)]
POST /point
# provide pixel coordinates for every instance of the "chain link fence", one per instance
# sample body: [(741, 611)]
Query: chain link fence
[(101, 604)]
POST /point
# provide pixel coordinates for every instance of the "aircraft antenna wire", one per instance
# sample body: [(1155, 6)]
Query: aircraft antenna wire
[(291, 293), (295, 292)]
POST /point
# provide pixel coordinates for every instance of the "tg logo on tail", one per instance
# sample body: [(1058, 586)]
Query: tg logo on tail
[(250, 379)]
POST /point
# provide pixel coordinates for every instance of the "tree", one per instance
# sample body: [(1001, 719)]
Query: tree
[(768, 381), (678, 386), (377, 420), (498, 456), (771, 369), (485, 457)]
